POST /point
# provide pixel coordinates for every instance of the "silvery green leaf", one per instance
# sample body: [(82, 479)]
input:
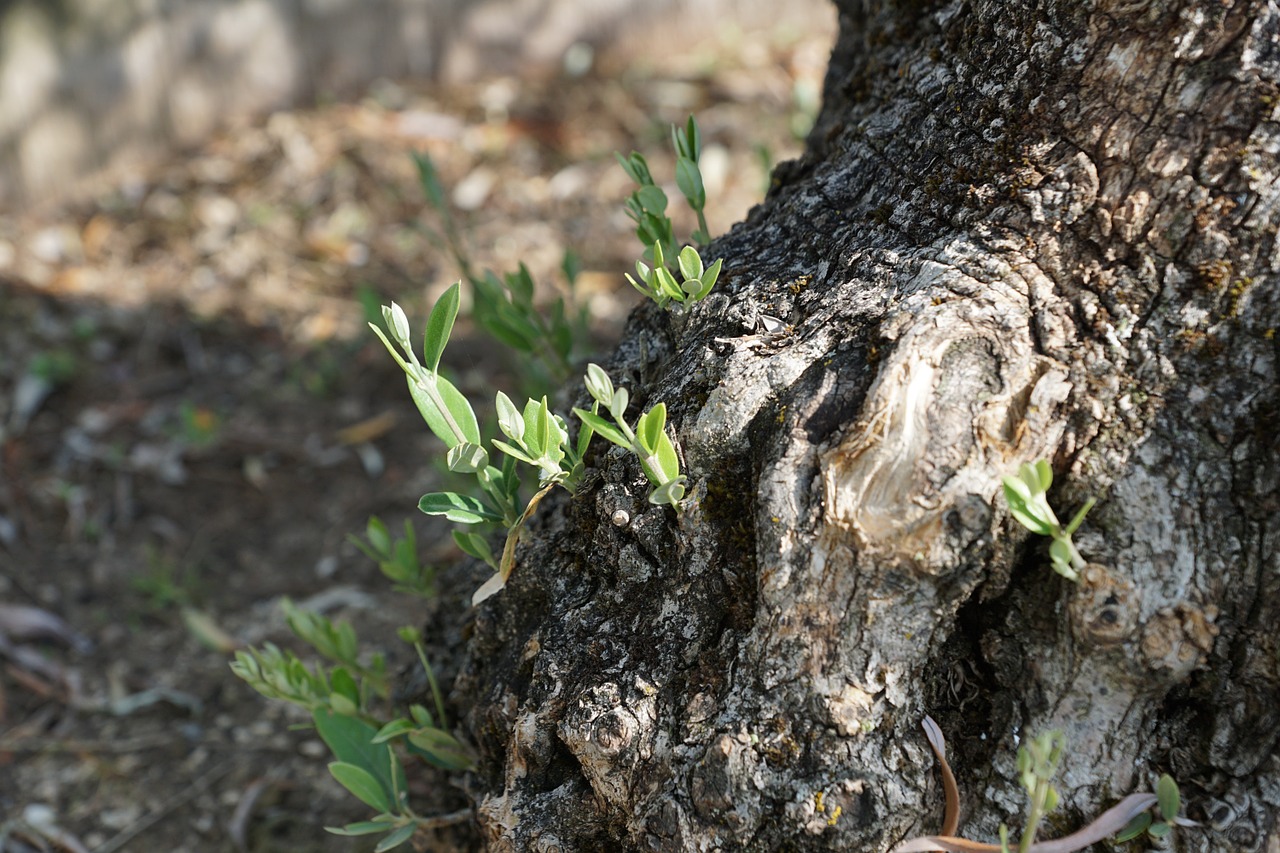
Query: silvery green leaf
[(466, 458), (1136, 828), (599, 385), (1167, 796), (603, 428), (709, 278), (690, 263), (509, 420), (1015, 488), (1038, 477), (362, 784), (1029, 515), (398, 323), (535, 433), (668, 494), (453, 424), (668, 461), (557, 437), (514, 452), (618, 404), (649, 429), (1060, 553), (666, 283)]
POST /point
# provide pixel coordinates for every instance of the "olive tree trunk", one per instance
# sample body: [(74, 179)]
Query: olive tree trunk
[(1021, 230)]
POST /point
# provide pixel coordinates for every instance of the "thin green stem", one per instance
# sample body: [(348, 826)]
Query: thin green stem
[(435, 687), (1036, 814), (702, 225)]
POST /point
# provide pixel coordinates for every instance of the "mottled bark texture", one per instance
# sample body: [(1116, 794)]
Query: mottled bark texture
[(1022, 229)]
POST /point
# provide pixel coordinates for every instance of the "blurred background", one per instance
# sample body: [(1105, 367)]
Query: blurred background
[(202, 202)]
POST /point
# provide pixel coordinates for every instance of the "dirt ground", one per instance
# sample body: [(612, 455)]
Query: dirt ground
[(183, 358)]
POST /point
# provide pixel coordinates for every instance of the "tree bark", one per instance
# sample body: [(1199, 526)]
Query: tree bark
[(1020, 230)]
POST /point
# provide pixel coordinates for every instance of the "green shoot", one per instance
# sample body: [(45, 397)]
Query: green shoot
[(1026, 495)]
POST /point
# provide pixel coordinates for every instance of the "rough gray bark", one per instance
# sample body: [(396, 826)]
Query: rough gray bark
[(1031, 229)]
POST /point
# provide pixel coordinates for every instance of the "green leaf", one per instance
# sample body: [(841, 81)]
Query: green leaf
[(343, 705), (618, 404), (690, 263), (689, 180), (509, 419), (649, 429), (364, 827), (506, 333), (1050, 799), (421, 715), (666, 283), (1159, 829), (534, 438), (350, 739), (635, 167), (514, 452), (1060, 553), (396, 838), (571, 265), (520, 283), (458, 409), (362, 783), (462, 509), (1044, 472), (709, 278), (378, 535), (543, 427), (1027, 513), (441, 749), (345, 685), (467, 458), (1015, 490), (652, 199), (393, 729), (668, 461), (599, 385), (430, 180), (603, 428), (1168, 797), (1039, 476), (1078, 518), (474, 545), (439, 326), (669, 493)]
